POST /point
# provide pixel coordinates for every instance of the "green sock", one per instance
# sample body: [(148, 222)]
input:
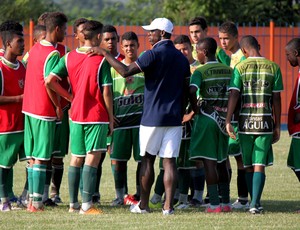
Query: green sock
[(9, 183), (57, 175), (38, 178), (213, 194), (224, 192), (3, 181), (258, 185), (74, 180), (80, 181), (30, 181), (119, 178), (183, 180), (249, 181), (159, 184), (89, 176), (47, 184)]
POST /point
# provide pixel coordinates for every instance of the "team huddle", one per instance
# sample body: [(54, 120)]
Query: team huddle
[(184, 100)]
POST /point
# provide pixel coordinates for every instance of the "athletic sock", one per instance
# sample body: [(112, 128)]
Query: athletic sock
[(184, 180), (183, 198), (30, 182), (225, 192), (159, 184), (3, 180), (242, 186), (47, 184), (155, 198), (198, 195), (89, 176), (249, 181), (213, 194), (98, 179), (73, 181), (258, 186), (38, 178), (9, 183), (57, 175), (119, 179), (80, 181)]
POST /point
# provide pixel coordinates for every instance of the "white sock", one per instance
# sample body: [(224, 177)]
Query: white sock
[(198, 195)]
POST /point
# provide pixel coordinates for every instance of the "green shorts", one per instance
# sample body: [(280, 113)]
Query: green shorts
[(11, 148), (86, 138), (234, 148), (293, 160), (125, 141), (256, 149), (182, 160), (38, 138), (61, 139), (208, 141)]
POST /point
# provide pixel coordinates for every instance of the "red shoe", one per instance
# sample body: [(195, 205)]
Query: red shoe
[(130, 200), (209, 209), (226, 208), (34, 209)]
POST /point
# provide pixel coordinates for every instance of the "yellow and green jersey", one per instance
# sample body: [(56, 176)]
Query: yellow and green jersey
[(237, 57)]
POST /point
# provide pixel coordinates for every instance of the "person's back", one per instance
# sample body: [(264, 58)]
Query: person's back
[(164, 83)]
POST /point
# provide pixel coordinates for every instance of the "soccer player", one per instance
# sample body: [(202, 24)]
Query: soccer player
[(12, 77), (77, 30), (91, 113), (160, 129), (40, 109), (292, 51), (228, 35), (128, 106), (186, 168), (212, 80), (198, 29), (258, 82)]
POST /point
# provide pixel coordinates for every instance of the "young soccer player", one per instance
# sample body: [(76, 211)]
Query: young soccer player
[(258, 82), (77, 30), (212, 80), (12, 77), (128, 106), (91, 112), (198, 29), (292, 51), (40, 108), (228, 35)]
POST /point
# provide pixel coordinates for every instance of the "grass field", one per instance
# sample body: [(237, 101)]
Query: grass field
[(280, 199)]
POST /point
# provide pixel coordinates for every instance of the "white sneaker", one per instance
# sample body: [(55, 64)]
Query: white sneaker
[(168, 212), (238, 205), (136, 209), (182, 206)]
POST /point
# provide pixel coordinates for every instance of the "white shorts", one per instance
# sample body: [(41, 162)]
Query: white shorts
[(163, 141)]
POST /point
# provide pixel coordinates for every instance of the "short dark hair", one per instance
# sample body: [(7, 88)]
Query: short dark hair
[(91, 28), (109, 29), (230, 28), (249, 41), (78, 22), (294, 44), (130, 36), (42, 18), (209, 44), (8, 29), (55, 19), (201, 21), (182, 39), (38, 29)]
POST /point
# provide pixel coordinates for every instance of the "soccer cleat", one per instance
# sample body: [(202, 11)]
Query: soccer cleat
[(130, 200), (195, 203), (56, 199), (210, 209), (136, 209), (91, 211), (74, 210), (239, 205), (226, 208), (254, 211), (96, 199), (182, 205), (13, 199), (34, 209), (260, 208), (168, 212), (155, 205), (49, 203), (117, 202), (5, 207)]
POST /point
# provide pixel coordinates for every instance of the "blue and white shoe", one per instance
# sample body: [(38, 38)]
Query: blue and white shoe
[(168, 212)]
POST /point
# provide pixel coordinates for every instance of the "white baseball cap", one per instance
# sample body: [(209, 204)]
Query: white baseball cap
[(160, 24)]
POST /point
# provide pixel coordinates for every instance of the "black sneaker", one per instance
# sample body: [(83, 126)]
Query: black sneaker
[(49, 203)]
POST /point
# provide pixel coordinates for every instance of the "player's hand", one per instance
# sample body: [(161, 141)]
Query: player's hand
[(230, 131), (276, 135), (59, 113), (187, 117), (297, 118), (95, 51)]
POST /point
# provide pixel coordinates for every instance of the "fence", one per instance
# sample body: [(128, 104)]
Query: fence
[(272, 40)]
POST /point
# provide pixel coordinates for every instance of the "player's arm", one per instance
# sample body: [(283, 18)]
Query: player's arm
[(277, 115), (193, 99), (122, 69), (232, 101)]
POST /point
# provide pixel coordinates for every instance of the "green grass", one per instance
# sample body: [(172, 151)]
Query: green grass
[(280, 199)]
